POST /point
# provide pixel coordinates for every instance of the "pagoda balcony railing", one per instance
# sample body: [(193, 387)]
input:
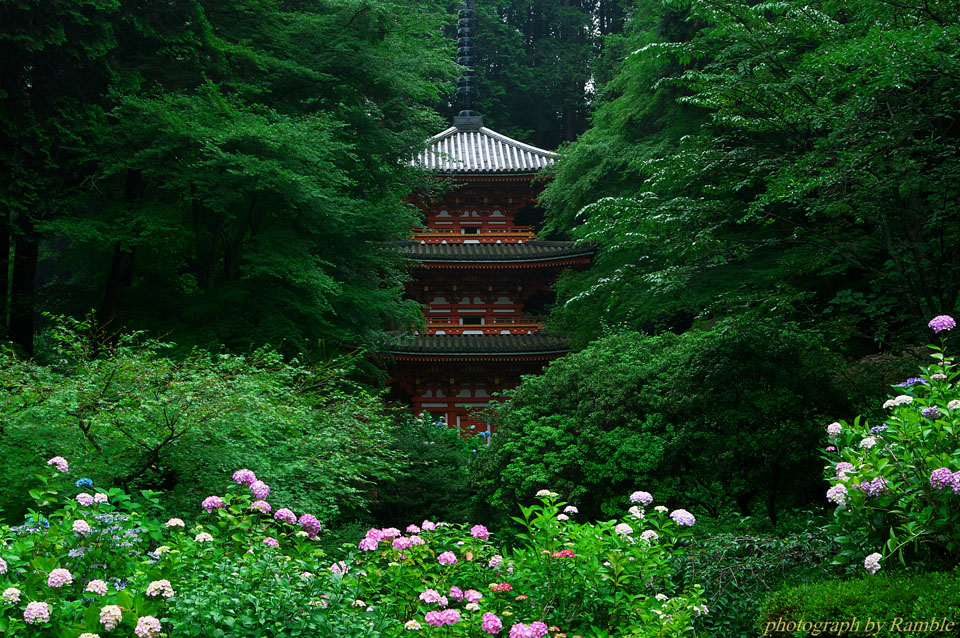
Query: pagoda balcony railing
[(496, 326), (512, 235)]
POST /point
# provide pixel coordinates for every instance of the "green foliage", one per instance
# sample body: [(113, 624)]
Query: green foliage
[(435, 484), (143, 419), (793, 157), (911, 598), (722, 419), (882, 478), (246, 164), (739, 570)]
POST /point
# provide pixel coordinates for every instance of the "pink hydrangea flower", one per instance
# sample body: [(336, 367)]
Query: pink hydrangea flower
[(491, 624), (110, 617), (260, 490), (272, 542), (147, 627), (244, 477), (447, 558), (174, 522), (212, 503), (203, 537), (261, 506), (456, 593), (84, 499), (59, 578), (390, 532), (570, 509), (11, 595), (496, 561), (369, 544), (97, 586), (36, 612), (683, 518), (60, 463), (433, 618), (339, 568), (3, 566), (538, 629), (521, 630), (160, 588), (100, 497), (479, 531), (428, 526), (623, 529), (81, 527), (416, 540), (413, 529), (285, 516), (401, 542), (430, 596), (472, 596)]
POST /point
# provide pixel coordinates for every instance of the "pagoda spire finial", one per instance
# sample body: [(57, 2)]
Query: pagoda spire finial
[(467, 85)]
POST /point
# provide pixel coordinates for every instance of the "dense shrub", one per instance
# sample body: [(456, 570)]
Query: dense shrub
[(435, 483), (143, 419), (726, 419), (911, 598), (896, 484), (737, 571)]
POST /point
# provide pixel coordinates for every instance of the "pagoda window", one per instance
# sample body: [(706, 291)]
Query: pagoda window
[(471, 230), (503, 301), (471, 321), (439, 300)]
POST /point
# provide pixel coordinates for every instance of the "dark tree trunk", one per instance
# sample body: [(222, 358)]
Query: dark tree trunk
[(4, 265), (24, 280), (121, 267)]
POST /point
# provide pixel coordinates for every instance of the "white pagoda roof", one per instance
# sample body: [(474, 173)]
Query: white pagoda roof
[(481, 150)]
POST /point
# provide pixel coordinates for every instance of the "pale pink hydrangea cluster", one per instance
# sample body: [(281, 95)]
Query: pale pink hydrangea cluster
[(261, 506), (339, 568), (84, 499), (570, 509), (413, 529), (623, 529), (496, 561), (271, 542), (160, 588), (644, 498), (81, 527), (97, 586), (203, 537), (837, 494), (368, 544), (89, 635), (11, 595), (834, 430), (147, 627), (174, 522), (110, 617), (3, 566), (430, 596), (428, 526), (472, 596), (683, 518), (100, 497), (60, 463), (59, 578), (872, 563), (37, 612), (843, 469), (649, 536)]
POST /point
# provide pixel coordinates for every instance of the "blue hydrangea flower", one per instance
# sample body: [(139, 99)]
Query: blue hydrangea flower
[(909, 382), (84, 482)]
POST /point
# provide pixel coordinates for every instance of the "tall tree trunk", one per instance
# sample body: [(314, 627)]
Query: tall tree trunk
[(121, 267), (4, 265), (26, 251)]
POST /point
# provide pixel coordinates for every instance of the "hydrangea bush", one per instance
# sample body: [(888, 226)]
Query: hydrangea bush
[(896, 485), (93, 563)]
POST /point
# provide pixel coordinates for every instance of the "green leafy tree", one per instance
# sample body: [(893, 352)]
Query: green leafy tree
[(723, 419)]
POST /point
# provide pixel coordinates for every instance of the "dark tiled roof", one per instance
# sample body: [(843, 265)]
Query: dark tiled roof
[(531, 251), (479, 344), (483, 150)]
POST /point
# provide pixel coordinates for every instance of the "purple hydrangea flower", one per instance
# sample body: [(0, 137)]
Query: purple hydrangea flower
[(447, 558), (285, 516), (261, 506), (942, 322), (874, 488), (909, 382), (212, 503), (491, 624), (641, 497), (369, 544), (877, 429), (931, 412), (260, 490), (272, 542), (941, 478), (310, 524), (244, 477)]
